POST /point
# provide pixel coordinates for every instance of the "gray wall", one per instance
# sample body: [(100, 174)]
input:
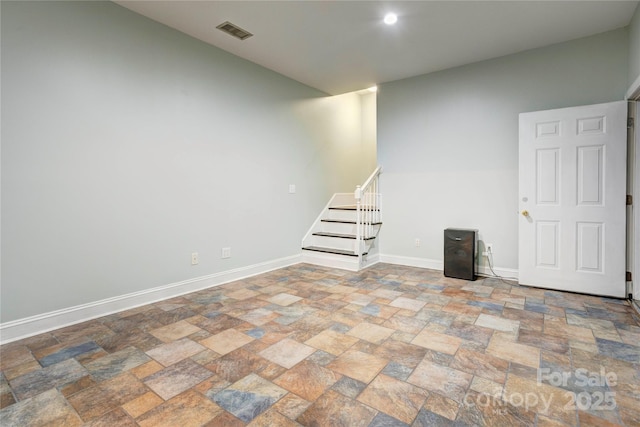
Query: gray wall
[(448, 141), (634, 47), (127, 145)]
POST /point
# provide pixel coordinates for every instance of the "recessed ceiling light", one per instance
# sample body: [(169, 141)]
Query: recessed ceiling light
[(373, 89), (390, 18)]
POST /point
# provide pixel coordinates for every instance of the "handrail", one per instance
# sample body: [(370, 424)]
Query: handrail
[(367, 211), (367, 183)]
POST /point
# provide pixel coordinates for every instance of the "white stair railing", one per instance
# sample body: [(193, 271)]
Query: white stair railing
[(368, 218)]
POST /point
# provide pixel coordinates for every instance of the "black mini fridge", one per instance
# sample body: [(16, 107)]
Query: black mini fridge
[(460, 245)]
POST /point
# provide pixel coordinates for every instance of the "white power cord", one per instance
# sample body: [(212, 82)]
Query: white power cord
[(502, 278)]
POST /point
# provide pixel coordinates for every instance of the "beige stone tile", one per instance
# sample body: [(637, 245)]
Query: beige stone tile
[(478, 289), (599, 419), (408, 304), (629, 337), (340, 289), (443, 406), (485, 386), (515, 306), (174, 331), (106, 396), (147, 369), (460, 307), (497, 323), (544, 421), (437, 341), (259, 316), (607, 334), (359, 299), (175, 351), (284, 299), (291, 406), (467, 318), (307, 380), (370, 332), (287, 353), (272, 418), (334, 409), (14, 355), (187, 409), (142, 404), (408, 324), (514, 352), (558, 327), (581, 345), (393, 397), (358, 365), (441, 379), (226, 341), (242, 294), (177, 378), (386, 294), (628, 409), (332, 342), (117, 417), (22, 369), (542, 398), (401, 352), (382, 311)]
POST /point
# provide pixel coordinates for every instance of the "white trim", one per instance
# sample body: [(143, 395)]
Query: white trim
[(635, 207), (330, 260), (505, 273), (29, 326), (633, 94), (431, 264), (341, 262), (634, 90), (434, 264), (371, 259)]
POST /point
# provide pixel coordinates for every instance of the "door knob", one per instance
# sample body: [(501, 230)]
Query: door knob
[(525, 213)]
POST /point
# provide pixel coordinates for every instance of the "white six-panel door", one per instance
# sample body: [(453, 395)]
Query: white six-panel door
[(572, 199)]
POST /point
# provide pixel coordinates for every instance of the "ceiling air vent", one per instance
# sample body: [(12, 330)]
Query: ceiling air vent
[(234, 30)]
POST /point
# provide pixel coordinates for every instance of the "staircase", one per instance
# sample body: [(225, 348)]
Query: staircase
[(345, 232)]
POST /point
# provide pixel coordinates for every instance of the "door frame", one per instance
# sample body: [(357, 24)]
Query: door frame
[(633, 173)]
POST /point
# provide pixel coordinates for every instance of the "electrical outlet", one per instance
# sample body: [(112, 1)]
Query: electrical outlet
[(226, 253), (292, 188), (417, 243), (488, 247), (194, 258)]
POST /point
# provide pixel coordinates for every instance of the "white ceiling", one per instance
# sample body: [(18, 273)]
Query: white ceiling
[(343, 46)]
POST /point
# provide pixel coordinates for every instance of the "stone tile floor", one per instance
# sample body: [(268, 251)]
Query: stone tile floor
[(312, 346)]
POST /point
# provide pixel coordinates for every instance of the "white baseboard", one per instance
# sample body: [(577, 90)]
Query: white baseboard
[(431, 264), (635, 305), (34, 325), (338, 261), (505, 273), (330, 260), (434, 264), (38, 324), (371, 259)]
